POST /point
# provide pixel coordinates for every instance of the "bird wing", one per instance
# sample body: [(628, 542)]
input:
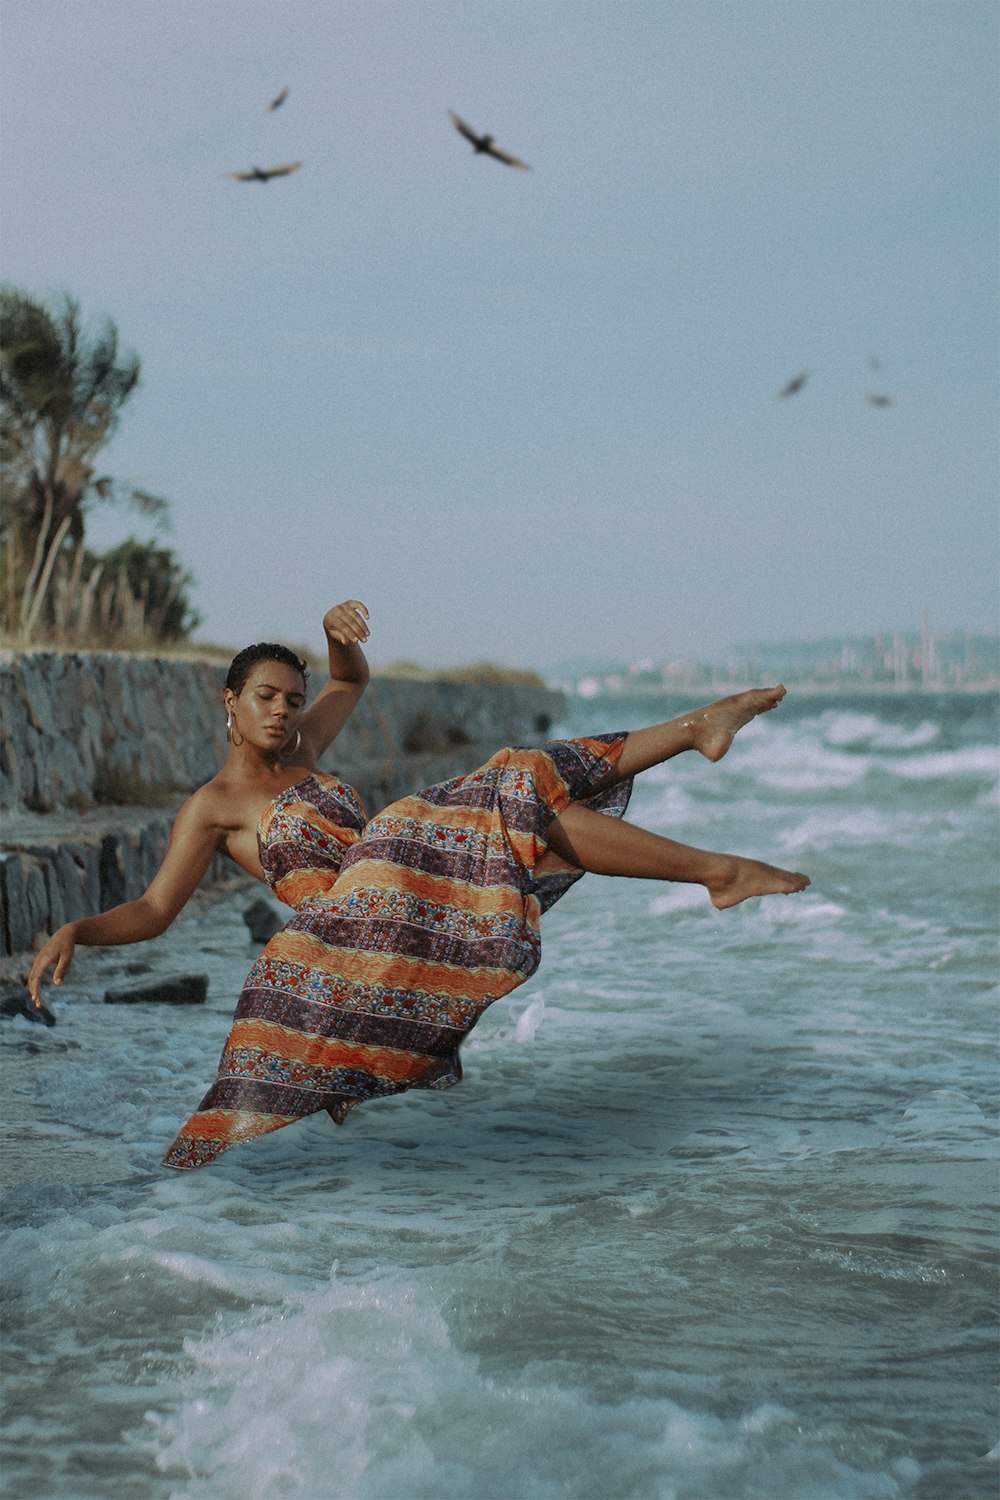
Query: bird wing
[(485, 143), (505, 156), (463, 129), (261, 174), (278, 100), (794, 385)]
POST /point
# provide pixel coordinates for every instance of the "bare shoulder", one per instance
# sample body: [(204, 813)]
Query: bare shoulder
[(214, 807), (197, 836)]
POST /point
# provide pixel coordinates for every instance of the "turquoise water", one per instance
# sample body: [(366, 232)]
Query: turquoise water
[(711, 1217)]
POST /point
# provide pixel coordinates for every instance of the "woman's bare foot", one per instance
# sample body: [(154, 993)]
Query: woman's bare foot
[(744, 878), (714, 728)]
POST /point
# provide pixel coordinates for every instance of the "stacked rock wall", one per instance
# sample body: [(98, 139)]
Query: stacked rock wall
[(98, 749)]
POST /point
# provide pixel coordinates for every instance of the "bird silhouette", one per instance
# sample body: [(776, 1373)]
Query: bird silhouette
[(278, 100), (264, 174), (483, 144), (794, 385), (880, 400)]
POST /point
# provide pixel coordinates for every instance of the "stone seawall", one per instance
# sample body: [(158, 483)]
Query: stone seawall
[(98, 750)]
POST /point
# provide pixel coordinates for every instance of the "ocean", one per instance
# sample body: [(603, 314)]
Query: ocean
[(712, 1215)]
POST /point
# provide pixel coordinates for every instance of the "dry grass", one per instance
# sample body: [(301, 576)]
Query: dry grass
[(175, 651), (483, 672)]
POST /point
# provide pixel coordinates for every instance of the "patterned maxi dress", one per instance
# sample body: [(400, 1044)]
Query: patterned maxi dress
[(406, 928)]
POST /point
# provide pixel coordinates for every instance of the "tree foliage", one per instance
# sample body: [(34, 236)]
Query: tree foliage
[(62, 392), (155, 582)]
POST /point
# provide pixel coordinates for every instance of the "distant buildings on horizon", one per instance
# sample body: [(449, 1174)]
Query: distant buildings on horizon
[(891, 661)]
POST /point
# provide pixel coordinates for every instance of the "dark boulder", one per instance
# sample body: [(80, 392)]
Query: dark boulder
[(162, 989), (15, 1001), (262, 920)]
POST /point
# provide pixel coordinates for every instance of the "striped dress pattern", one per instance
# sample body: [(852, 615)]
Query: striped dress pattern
[(406, 928)]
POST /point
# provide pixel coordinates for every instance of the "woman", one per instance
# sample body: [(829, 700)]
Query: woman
[(409, 925)]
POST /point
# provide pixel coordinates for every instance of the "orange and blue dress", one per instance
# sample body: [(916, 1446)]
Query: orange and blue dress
[(406, 927)]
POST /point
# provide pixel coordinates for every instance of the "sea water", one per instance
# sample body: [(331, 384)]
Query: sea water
[(711, 1217)]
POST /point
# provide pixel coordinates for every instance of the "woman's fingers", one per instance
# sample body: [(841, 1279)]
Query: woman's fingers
[(35, 982), (55, 952), (346, 622)]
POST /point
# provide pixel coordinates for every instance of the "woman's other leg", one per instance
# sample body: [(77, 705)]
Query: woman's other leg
[(605, 846)]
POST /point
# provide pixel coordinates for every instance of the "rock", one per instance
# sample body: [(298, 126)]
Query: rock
[(118, 876), (262, 920), (22, 888), (80, 870), (15, 1001), (164, 989)]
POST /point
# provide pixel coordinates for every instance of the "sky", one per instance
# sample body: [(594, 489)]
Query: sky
[(528, 416)]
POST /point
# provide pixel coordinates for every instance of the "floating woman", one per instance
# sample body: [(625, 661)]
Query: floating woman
[(409, 924)]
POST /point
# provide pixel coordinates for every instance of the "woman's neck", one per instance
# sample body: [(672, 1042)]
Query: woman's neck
[(250, 764)]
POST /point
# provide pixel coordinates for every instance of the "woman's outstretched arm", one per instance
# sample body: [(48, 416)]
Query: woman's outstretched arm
[(346, 629), (194, 840)]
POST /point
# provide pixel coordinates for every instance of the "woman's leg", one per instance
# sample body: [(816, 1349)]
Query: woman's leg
[(606, 846), (710, 730)]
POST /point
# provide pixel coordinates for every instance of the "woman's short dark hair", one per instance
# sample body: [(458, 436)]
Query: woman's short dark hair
[(242, 663)]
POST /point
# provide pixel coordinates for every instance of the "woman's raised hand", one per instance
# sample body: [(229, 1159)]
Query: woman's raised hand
[(59, 951), (347, 623)]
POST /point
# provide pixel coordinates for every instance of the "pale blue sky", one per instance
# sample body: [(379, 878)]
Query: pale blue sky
[(531, 415)]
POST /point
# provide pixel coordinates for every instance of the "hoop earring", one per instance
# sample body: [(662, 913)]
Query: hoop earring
[(229, 732), (298, 741)]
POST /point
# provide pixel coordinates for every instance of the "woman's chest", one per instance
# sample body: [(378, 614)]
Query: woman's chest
[(305, 832)]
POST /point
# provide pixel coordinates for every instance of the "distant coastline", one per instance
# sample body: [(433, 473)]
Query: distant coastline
[(888, 664)]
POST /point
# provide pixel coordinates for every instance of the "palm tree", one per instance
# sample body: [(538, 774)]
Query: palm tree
[(61, 397)]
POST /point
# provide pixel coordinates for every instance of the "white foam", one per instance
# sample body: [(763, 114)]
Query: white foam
[(863, 825), (361, 1386), (671, 804), (678, 898), (974, 760), (868, 729), (804, 910), (849, 728), (795, 761), (529, 1021)]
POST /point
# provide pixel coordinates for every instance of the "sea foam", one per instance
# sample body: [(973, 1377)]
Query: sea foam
[(365, 1388)]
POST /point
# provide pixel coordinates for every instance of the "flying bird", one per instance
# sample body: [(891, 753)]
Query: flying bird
[(880, 400), (794, 385), (483, 144), (278, 100), (264, 174)]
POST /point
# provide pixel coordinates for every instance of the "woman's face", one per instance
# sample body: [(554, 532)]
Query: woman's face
[(269, 705)]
